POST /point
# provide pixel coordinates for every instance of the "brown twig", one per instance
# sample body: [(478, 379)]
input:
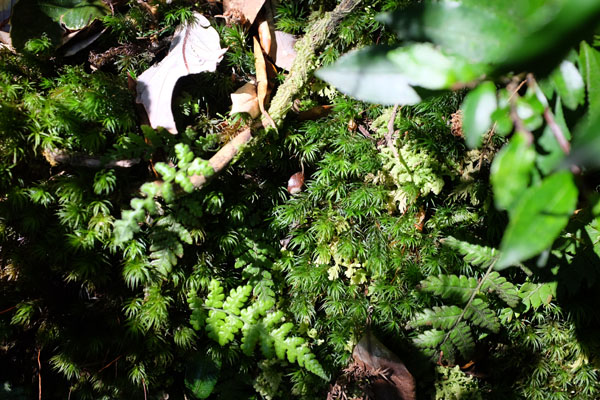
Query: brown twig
[(365, 132), (549, 116), (109, 364), (303, 67), (39, 374), (558, 133), (8, 309)]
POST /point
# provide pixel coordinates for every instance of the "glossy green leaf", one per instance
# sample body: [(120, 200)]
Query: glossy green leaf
[(73, 14), (511, 171), (538, 218), (369, 75), (453, 26), (569, 84), (426, 66), (34, 18), (550, 32), (586, 143), (529, 34), (530, 111), (589, 62), (477, 109), (201, 376)]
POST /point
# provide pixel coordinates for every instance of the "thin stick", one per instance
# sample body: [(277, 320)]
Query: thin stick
[(549, 116), (109, 364), (39, 374), (558, 133), (8, 309)]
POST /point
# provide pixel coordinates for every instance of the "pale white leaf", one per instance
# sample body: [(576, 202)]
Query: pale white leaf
[(245, 100), (195, 48), (285, 52)]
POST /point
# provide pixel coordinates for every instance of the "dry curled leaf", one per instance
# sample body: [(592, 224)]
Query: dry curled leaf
[(244, 100), (285, 54), (195, 48), (262, 80), (249, 8), (374, 356), (420, 219), (264, 34)]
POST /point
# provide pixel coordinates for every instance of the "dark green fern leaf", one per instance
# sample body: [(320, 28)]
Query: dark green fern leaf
[(504, 289), (459, 288), (480, 314), (439, 317), (430, 338), (462, 338), (482, 256)]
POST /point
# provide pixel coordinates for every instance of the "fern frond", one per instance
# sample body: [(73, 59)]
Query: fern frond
[(480, 314), (536, 294), (453, 287), (228, 316), (504, 289), (439, 317), (462, 338), (481, 256), (430, 339)]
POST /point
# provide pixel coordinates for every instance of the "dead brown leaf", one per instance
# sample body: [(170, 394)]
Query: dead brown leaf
[(420, 219), (262, 80), (315, 112), (249, 8), (245, 100), (283, 47), (195, 48), (375, 357), (5, 39), (264, 34)]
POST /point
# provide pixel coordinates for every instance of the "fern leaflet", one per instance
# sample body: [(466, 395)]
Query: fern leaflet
[(462, 338), (459, 288), (480, 314), (504, 289), (439, 317), (481, 256)]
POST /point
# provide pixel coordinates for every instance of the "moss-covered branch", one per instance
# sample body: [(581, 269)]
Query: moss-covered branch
[(304, 65)]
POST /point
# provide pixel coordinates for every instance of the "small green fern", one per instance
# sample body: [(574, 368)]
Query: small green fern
[(257, 322), (452, 324)]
